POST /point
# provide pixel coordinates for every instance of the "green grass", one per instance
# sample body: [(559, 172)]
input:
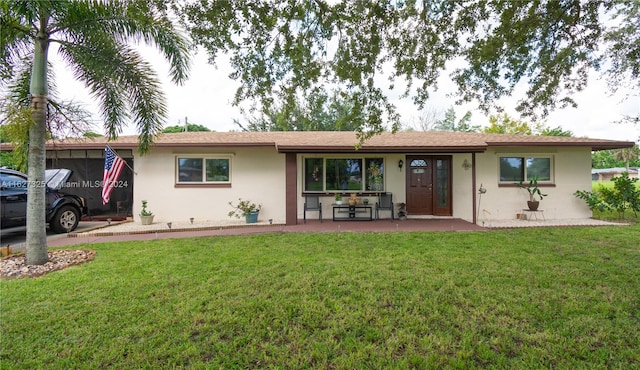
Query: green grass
[(612, 214), (557, 297), (595, 185)]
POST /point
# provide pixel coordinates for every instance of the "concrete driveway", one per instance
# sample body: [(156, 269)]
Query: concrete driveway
[(15, 237)]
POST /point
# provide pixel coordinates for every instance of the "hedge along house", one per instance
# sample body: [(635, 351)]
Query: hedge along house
[(437, 174)]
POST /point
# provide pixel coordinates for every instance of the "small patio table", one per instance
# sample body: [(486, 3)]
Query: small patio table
[(357, 212)]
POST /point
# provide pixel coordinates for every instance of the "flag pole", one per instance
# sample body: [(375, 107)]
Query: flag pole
[(125, 162)]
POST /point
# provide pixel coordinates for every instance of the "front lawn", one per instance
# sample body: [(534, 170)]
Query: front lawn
[(556, 297)]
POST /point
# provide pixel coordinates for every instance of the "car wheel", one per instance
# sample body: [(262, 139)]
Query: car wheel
[(65, 220)]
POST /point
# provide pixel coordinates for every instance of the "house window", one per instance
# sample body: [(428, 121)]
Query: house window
[(313, 174), (343, 174), (193, 170), (516, 169)]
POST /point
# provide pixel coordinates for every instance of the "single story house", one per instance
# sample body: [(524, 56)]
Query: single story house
[(471, 176), (606, 174)]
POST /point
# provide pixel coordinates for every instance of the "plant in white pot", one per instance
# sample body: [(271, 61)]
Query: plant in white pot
[(533, 190), (338, 198), (146, 217), (247, 209)]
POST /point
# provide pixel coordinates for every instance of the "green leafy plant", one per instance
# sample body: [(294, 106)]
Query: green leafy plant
[(593, 199), (144, 211), (625, 195), (243, 208), (338, 196), (533, 189)]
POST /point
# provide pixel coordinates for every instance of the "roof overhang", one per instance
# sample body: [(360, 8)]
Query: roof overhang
[(594, 144), (342, 142), (380, 149)]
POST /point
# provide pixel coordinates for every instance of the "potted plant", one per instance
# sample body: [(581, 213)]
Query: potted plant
[(246, 209), (533, 190), (338, 198), (146, 217)]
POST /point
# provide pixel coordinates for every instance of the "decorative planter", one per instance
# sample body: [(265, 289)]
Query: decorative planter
[(252, 217), (339, 202), (146, 220), (533, 206)]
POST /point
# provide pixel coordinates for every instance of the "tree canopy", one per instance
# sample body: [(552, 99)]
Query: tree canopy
[(504, 124), (280, 49), (450, 123), (192, 127), (629, 157), (316, 111)]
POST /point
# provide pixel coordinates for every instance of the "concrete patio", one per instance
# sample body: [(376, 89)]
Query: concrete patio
[(105, 232), (131, 231)]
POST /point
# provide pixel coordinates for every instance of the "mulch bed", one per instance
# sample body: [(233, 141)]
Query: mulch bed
[(15, 266)]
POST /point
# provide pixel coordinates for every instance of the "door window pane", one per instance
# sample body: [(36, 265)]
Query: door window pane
[(442, 183)]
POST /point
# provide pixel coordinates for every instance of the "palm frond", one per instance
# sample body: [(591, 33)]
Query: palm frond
[(117, 74), (127, 21), (14, 38)]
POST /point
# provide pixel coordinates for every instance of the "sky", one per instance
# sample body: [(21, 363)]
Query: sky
[(205, 99)]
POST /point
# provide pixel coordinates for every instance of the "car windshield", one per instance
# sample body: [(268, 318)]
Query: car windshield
[(55, 178)]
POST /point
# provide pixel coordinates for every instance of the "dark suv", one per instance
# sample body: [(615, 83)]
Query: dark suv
[(63, 210)]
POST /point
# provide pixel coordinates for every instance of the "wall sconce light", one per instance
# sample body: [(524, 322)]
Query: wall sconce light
[(400, 164), (466, 165)]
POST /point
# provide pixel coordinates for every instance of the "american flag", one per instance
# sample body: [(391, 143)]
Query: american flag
[(113, 165)]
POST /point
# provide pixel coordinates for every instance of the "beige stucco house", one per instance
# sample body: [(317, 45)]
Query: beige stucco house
[(437, 174)]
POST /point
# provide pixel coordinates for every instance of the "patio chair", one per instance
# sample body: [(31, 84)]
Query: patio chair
[(312, 203), (384, 203)]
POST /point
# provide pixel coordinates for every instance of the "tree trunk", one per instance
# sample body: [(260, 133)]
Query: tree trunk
[(36, 202), (36, 191)]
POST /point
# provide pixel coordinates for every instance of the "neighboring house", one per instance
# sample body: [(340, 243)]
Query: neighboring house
[(606, 174), (437, 174)]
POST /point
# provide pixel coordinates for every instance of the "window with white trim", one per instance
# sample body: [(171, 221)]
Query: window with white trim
[(524, 168), (352, 174), (203, 170)]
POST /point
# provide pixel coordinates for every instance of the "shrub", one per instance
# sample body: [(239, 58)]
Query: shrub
[(243, 208), (624, 196)]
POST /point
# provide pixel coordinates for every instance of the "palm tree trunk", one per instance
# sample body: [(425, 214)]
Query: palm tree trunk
[(36, 191)]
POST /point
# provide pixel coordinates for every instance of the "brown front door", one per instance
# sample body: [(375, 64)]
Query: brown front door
[(429, 185)]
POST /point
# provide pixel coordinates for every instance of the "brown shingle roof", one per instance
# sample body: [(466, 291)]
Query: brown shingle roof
[(341, 141)]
